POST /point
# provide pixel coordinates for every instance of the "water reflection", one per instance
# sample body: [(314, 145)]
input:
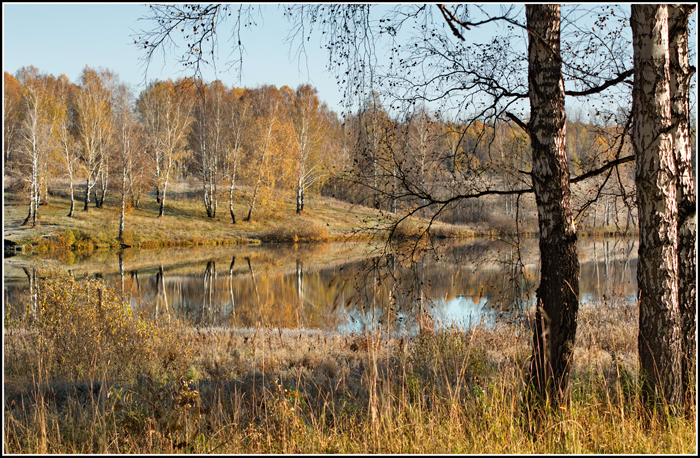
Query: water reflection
[(337, 287)]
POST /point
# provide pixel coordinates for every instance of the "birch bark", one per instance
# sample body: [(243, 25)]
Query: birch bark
[(557, 294), (680, 73), (657, 275)]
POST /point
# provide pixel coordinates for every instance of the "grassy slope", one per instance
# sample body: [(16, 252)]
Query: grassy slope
[(185, 223)]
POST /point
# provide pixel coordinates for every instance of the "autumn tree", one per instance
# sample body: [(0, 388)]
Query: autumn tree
[(111, 83), (512, 154), (166, 113), (127, 144), (374, 148), (66, 135), (37, 136), (238, 119), (266, 145), (12, 115), (422, 141), (207, 139), (93, 111), (310, 121)]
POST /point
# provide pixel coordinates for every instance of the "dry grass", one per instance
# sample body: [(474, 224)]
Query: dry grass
[(265, 390), (184, 224)]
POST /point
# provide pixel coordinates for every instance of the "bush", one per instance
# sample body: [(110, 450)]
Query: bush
[(305, 231), (87, 326), (65, 238), (83, 240)]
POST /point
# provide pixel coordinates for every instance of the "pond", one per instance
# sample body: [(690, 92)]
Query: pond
[(344, 287)]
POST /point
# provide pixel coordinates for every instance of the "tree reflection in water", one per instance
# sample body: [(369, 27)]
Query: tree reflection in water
[(343, 287)]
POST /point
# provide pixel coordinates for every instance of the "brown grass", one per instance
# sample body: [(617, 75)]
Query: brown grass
[(266, 390), (185, 223)]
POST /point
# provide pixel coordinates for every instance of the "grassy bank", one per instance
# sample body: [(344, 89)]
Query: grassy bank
[(83, 375), (185, 223)]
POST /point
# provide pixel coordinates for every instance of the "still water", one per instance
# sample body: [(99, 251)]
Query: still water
[(343, 287)]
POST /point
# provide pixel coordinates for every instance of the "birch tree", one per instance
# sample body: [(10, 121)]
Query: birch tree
[(93, 125), (265, 148), (68, 143), (309, 118), (657, 272), (666, 202), (557, 294), (207, 140), (680, 74), (126, 145), (37, 138), (166, 112), (12, 115), (237, 125)]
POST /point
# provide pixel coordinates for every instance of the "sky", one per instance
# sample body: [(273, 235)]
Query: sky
[(64, 38)]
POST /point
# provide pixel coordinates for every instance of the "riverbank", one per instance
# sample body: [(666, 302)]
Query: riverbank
[(185, 223), (122, 384)]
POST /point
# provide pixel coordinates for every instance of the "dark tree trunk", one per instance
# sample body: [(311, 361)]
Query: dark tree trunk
[(557, 294), (100, 199), (87, 195), (72, 200), (657, 273), (230, 198), (300, 199), (161, 211), (29, 215), (98, 203)]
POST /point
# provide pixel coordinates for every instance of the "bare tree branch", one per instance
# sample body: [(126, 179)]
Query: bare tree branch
[(595, 90)]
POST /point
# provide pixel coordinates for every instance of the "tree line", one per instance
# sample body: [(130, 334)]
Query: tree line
[(99, 131), (254, 146)]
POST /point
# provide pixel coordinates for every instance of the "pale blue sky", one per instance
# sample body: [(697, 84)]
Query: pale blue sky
[(64, 38)]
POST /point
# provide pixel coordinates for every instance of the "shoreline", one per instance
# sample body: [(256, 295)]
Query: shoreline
[(186, 225)]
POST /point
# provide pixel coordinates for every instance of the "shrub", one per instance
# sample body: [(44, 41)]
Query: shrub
[(83, 240), (305, 231), (40, 243), (65, 238), (87, 326), (408, 230)]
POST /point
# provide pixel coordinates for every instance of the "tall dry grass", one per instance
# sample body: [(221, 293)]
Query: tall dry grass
[(216, 390)]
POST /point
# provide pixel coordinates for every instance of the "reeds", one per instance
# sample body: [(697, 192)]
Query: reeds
[(266, 390)]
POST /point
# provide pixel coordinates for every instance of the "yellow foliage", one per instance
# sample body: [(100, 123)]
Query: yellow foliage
[(88, 325)]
